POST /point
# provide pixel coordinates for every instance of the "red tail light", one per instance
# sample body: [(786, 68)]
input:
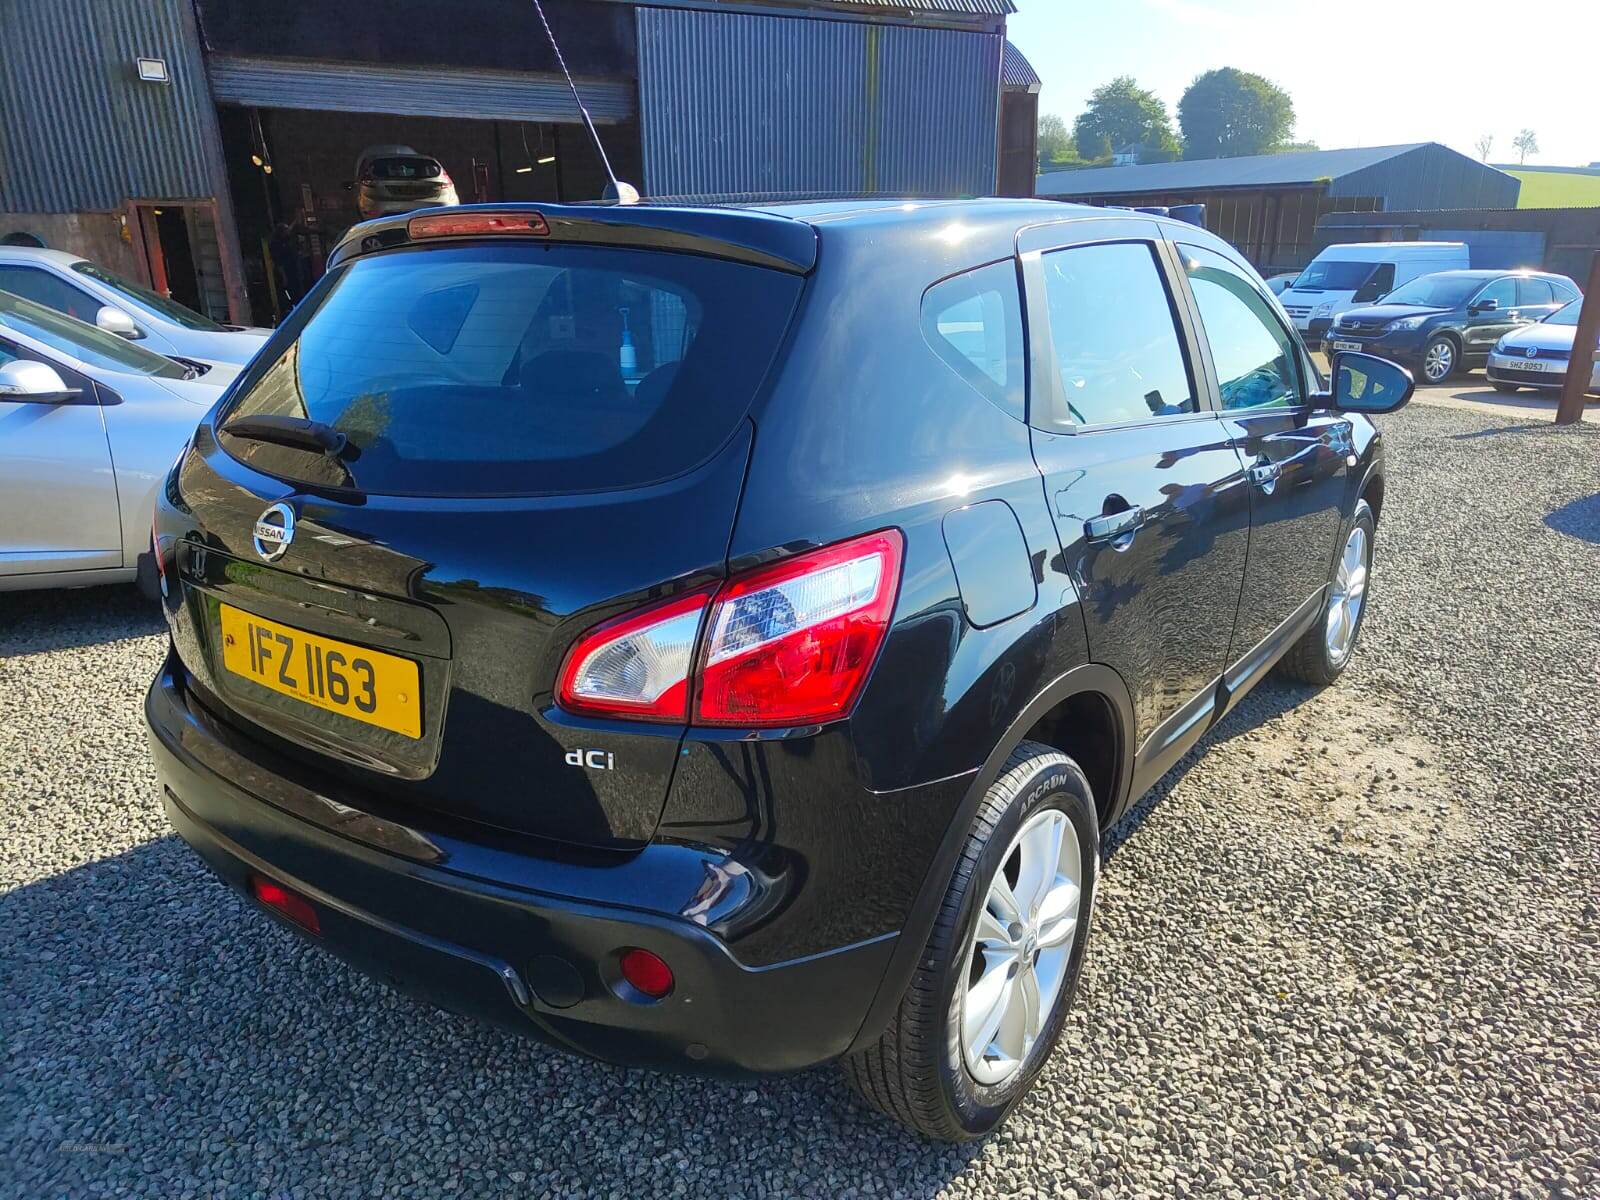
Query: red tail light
[(285, 903), (793, 643), (637, 666), (477, 224), (789, 644)]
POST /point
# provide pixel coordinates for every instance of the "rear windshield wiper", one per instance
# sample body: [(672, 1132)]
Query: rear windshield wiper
[(301, 433)]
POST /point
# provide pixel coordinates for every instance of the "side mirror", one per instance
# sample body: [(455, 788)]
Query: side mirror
[(1483, 306), (33, 383), (114, 320), (1365, 383)]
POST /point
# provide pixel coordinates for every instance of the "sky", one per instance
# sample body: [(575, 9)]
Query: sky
[(1397, 71)]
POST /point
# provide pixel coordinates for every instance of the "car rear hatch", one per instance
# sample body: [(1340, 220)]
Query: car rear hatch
[(466, 448)]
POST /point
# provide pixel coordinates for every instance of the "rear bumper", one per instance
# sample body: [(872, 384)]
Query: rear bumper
[(539, 963)]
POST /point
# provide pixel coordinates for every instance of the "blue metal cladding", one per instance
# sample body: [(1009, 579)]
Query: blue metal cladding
[(731, 102), (79, 131), (1017, 73), (414, 91), (1431, 176)]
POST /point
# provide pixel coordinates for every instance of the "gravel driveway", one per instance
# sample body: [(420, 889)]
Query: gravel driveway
[(1349, 946)]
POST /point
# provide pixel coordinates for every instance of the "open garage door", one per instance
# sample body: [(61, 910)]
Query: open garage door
[(415, 91), (296, 134)]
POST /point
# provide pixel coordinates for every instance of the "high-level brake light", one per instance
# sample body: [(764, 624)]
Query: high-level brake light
[(477, 224)]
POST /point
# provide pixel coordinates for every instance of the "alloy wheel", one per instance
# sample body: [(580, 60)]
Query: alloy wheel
[(1348, 594), (1439, 361), (1021, 947)]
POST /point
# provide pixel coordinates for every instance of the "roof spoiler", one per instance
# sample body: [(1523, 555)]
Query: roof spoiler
[(740, 235)]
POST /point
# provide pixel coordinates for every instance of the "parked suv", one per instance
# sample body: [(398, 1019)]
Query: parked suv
[(718, 638), (1451, 320)]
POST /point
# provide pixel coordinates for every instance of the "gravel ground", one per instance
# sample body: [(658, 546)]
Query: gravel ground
[(1348, 947)]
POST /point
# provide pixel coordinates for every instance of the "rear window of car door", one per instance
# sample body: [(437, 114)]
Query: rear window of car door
[(1534, 292), (1255, 358), (1118, 355)]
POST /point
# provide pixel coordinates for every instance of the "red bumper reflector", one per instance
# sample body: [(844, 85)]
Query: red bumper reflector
[(463, 224), (286, 903), (647, 972)]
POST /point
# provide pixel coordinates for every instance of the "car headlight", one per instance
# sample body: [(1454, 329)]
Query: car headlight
[(1323, 310), (1405, 324)]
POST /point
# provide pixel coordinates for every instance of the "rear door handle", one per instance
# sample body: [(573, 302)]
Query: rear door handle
[(1112, 526)]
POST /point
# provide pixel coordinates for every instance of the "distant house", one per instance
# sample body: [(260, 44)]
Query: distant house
[(1126, 156), (1268, 204)]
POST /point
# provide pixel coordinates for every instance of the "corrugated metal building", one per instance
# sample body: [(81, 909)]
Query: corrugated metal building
[(1563, 240), (248, 142), (1268, 205), (82, 136)]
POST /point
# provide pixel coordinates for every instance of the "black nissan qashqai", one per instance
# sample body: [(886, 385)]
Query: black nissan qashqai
[(717, 638)]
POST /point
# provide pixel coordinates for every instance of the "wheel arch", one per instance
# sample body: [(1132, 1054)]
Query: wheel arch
[(1451, 335), (1372, 491), (1092, 692)]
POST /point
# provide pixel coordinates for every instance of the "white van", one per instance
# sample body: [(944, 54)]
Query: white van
[(1348, 276)]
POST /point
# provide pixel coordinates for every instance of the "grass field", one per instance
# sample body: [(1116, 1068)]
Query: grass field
[(1552, 189)]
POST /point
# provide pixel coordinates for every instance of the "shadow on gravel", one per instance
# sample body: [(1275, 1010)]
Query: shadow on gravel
[(160, 1037), (1473, 435), (1580, 519), (1270, 699), (61, 618)]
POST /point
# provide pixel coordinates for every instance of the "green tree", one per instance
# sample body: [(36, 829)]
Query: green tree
[(1124, 114), (1525, 143), (1227, 113), (1055, 143)]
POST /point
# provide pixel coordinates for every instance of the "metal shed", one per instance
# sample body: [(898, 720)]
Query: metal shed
[(1268, 205)]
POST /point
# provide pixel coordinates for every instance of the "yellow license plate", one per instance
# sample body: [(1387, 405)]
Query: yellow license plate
[(364, 685)]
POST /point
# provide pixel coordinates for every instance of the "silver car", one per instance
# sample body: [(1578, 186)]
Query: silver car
[(89, 425), (396, 179), (1537, 355), (102, 298)]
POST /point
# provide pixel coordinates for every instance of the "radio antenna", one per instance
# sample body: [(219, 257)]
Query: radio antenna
[(622, 193)]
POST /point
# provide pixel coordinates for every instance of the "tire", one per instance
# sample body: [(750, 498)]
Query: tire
[(1318, 657), (1505, 389), (1441, 358), (918, 1072)]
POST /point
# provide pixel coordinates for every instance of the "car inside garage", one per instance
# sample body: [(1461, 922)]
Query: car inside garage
[(293, 177)]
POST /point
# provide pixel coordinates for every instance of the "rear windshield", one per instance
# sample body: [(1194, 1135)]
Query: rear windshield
[(517, 369), (404, 168)]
